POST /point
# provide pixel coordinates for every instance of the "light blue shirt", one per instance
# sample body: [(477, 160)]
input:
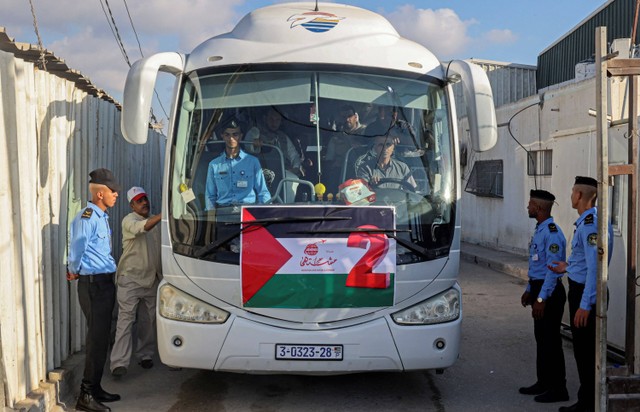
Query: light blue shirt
[(235, 181), (583, 262), (90, 248), (548, 244)]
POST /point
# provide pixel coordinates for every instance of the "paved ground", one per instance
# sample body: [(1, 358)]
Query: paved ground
[(494, 361)]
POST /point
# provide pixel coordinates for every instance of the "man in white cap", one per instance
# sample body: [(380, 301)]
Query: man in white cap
[(139, 272)]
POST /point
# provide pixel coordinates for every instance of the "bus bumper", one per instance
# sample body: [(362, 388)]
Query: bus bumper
[(245, 346)]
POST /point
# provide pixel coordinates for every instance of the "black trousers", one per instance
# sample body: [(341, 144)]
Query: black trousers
[(550, 367), (96, 300), (584, 346)]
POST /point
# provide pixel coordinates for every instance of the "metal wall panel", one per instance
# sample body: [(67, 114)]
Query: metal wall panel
[(509, 83), (52, 133), (557, 63)]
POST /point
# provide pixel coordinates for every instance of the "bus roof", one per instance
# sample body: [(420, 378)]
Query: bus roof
[(335, 34)]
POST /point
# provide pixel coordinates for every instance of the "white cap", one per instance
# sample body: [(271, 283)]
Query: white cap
[(135, 193)]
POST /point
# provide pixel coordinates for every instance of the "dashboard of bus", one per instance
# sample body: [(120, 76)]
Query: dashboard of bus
[(322, 138)]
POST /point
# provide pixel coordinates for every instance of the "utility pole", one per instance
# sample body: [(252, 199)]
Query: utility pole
[(621, 391)]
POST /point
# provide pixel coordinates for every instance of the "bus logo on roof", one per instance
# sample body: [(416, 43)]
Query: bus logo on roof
[(315, 21)]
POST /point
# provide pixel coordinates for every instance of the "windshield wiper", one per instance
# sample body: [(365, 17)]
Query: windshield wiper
[(263, 223), (429, 254)]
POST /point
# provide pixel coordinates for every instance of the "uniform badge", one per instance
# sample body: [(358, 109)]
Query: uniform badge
[(589, 219), (592, 239), (87, 213), (553, 228), (554, 248)]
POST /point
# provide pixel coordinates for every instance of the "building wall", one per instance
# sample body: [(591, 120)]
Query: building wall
[(557, 120), (51, 135)]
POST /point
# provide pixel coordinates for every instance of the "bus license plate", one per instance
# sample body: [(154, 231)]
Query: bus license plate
[(309, 352)]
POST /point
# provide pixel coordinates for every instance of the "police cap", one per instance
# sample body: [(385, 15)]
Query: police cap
[(589, 181), (104, 177), (542, 195), (230, 122)]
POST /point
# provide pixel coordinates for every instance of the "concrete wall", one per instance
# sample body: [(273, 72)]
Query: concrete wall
[(51, 135), (558, 120)]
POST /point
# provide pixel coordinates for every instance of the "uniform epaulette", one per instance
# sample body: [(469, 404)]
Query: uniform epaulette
[(553, 228), (589, 219), (87, 213)]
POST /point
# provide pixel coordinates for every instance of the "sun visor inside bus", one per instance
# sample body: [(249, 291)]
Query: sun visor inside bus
[(379, 90), (254, 89), (277, 88)]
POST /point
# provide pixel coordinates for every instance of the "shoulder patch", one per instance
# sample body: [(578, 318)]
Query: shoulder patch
[(87, 213), (554, 248), (592, 239), (589, 219), (553, 228)]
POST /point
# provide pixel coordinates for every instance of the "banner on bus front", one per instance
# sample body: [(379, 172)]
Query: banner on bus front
[(308, 257)]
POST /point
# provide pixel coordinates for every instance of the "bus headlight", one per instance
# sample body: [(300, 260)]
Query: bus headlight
[(178, 305), (440, 308)]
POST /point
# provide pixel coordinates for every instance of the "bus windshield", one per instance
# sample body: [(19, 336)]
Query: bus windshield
[(317, 138)]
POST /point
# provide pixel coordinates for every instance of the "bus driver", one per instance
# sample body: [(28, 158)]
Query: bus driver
[(379, 166)]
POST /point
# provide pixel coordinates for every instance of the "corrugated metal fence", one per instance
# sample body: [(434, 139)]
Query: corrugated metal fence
[(51, 135)]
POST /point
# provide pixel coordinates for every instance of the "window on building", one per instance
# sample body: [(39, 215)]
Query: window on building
[(539, 163), (486, 179)]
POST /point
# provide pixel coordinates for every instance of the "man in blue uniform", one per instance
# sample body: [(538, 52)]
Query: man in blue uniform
[(582, 270), (234, 177), (90, 262), (546, 295)]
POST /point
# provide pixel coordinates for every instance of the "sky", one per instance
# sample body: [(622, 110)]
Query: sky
[(78, 31)]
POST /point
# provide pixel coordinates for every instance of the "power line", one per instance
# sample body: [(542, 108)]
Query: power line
[(35, 27), (126, 6), (114, 30)]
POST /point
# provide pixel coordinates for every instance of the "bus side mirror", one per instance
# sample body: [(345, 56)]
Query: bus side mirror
[(479, 102), (139, 90)]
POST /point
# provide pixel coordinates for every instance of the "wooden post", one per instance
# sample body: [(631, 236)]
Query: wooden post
[(603, 218)]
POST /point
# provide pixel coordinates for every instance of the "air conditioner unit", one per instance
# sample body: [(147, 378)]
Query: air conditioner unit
[(622, 46)]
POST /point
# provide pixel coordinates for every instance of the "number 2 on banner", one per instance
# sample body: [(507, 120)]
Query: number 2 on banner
[(362, 276)]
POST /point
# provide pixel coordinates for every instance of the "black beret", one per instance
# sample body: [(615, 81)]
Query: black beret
[(230, 122), (542, 195), (589, 181), (105, 177)]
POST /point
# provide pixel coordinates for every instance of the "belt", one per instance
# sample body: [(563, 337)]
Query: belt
[(536, 281), (98, 277)]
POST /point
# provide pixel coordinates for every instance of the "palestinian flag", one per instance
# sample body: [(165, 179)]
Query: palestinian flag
[(308, 257)]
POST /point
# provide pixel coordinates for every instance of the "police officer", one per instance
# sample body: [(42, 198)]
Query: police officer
[(582, 273), (91, 263), (546, 295), (235, 176)]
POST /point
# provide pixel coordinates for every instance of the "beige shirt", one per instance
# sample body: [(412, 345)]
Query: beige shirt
[(140, 260)]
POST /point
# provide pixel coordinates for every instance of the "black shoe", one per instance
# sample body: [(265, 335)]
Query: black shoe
[(553, 395), (88, 403), (576, 407), (535, 389), (104, 396), (146, 363), (119, 372)]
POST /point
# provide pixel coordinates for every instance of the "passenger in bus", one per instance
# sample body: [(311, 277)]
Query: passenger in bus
[(270, 132), (234, 177), (380, 169), (351, 137)]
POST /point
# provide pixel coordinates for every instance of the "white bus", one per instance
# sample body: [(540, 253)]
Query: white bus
[(337, 272)]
